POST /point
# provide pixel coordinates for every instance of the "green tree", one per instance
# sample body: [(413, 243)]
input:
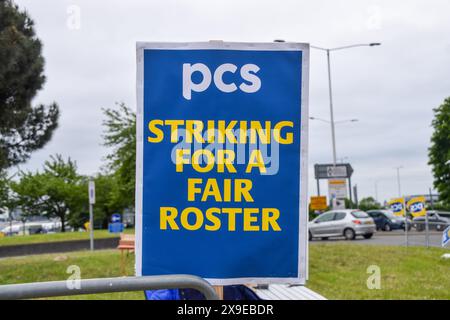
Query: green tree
[(106, 190), (439, 152), (56, 192), (7, 203), (349, 204), (120, 134), (23, 128), (368, 203), (4, 189), (4, 193)]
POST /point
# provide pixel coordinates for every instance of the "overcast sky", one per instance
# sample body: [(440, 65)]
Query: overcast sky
[(391, 89)]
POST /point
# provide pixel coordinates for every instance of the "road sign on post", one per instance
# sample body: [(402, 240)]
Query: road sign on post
[(222, 161), (116, 217), (91, 192), (319, 203), (337, 188), (91, 213), (334, 171), (116, 225), (330, 171)]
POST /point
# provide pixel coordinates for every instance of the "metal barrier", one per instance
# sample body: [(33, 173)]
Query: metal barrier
[(106, 285), (426, 229), (430, 225)]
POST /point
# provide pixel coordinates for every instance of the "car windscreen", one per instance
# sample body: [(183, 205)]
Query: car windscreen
[(444, 214), (360, 214), (390, 214)]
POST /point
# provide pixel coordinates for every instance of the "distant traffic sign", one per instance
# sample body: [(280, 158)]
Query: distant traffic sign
[(337, 188), (116, 217), (319, 203), (330, 171), (116, 227), (91, 192)]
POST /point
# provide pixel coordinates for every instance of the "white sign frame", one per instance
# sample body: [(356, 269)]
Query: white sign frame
[(304, 129)]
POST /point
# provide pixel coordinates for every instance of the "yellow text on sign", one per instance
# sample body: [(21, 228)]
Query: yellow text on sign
[(235, 190), (203, 161), (221, 131), (192, 219)]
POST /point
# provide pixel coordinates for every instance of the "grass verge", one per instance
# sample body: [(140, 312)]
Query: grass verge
[(56, 237), (337, 271)]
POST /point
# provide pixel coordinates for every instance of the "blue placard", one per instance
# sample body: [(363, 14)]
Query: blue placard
[(222, 161)]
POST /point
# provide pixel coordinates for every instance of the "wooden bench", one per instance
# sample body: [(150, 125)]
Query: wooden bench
[(126, 243)]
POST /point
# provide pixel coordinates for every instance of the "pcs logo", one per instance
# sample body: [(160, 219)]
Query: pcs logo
[(416, 207), (249, 83), (397, 207)]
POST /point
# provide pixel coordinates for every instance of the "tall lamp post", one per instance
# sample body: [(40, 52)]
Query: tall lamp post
[(404, 203), (398, 181), (376, 190), (334, 163), (330, 91)]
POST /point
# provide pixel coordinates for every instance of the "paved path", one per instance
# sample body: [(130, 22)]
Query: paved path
[(393, 238)]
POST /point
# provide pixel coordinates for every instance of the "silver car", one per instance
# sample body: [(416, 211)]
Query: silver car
[(342, 223)]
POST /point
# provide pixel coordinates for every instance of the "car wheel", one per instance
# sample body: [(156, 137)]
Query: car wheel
[(438, 227), (349, 234), (310, 236), (324, 238), (387, 227), (368, 236)]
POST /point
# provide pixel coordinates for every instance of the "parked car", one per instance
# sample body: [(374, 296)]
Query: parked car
[(437, 220), (342, 223), (386, 220), (33, 225)]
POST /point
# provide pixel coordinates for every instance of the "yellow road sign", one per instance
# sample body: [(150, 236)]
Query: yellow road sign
[(319, 203)]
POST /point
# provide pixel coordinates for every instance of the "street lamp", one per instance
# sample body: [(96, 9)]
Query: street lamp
[(398, 180), (343, 159), (328, 50), (376, 190), (336, 122)]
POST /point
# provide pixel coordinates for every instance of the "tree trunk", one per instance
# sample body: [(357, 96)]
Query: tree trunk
[(63, 223)]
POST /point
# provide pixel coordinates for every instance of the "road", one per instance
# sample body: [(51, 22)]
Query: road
[(393, 238)]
